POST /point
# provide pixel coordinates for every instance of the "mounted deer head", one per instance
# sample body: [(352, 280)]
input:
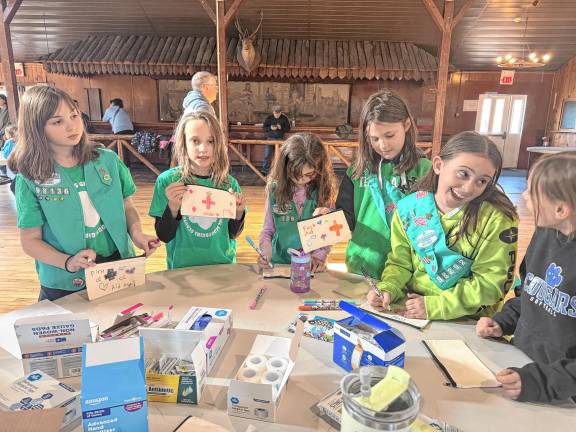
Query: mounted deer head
[(246, 54)]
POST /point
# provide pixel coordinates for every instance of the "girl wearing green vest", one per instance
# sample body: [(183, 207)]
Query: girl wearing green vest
[(454, 242), (202, 156), (73, 198), (300, 186), (387, 165)]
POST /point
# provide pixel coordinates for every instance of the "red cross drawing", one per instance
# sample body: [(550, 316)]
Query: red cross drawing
[(208, 201), (336, 227)]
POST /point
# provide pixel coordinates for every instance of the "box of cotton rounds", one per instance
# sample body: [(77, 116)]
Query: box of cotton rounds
[(256, 390)]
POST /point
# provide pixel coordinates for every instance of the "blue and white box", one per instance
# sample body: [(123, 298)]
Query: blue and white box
[(38, 391), (114, 386), (363, 339)]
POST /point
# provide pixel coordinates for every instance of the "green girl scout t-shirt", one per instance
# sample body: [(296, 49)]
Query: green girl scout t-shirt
[(97, 237)]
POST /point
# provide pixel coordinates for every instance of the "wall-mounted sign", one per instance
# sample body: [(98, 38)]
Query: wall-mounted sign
[(470, 105), (19, 69), (507, 77)]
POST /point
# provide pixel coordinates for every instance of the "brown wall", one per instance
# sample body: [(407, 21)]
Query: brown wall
[(564, 88), (140, 96)]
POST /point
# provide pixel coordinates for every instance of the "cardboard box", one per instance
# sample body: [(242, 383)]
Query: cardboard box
[(260, 401), (214, 335), (53, 343), (114, 386), (385, 347), (39, 390), (185, 388)]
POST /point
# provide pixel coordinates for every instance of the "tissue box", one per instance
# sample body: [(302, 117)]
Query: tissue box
[(212, 326), (255, 400), (363, 339), (38, 390), (114, 386), (184, 388)]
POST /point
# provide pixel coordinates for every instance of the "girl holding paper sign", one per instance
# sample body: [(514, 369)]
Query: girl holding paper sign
[(202, 156), (454, 241), (387, 165), (73, 198), (300, 186)]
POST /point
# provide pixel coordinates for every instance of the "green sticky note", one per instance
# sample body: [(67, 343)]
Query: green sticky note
[(387, 390)]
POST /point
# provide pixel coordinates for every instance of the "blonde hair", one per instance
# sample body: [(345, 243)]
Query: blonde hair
[(220, 163), (32, 155), (11, 131), (472, 142), (385, 106), (298, 151), (554, 176)]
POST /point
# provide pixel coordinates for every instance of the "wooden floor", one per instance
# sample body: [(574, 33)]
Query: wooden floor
[(19, 284)]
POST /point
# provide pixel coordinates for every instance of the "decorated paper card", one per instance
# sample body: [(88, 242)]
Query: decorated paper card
[(208, 202), (107, 278), (324, 230)]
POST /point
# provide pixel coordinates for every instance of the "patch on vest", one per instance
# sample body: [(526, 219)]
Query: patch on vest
[(277, 210), (509, 236), (52, 181), (78, 282)]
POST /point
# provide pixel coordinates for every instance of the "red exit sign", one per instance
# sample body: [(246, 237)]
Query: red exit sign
[(507, 77)]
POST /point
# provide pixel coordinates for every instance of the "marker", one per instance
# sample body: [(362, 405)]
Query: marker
[(257, 249), (372, 284), (326, 301), (254, 303), (319, 307)]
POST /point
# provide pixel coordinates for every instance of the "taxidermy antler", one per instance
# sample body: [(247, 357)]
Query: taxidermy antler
[(246, 54)]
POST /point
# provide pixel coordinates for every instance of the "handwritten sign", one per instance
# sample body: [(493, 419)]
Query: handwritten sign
[(107, 278), (323, 231), (208, 202)]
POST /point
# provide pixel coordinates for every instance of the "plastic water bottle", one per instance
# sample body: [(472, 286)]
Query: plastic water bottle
[(300, 273)]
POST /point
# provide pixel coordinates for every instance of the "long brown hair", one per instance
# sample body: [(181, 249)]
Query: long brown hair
[(385, 106), (220, 163), (472, 142), (554, 176), (298, 151), (32, 155)]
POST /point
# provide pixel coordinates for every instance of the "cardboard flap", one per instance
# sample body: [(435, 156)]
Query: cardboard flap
[(48, 319), (174, 343), (365, 317), (297, 338), (389, 340), (271, 346)]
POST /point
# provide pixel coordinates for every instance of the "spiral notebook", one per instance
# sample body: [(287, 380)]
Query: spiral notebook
[(462, 367)]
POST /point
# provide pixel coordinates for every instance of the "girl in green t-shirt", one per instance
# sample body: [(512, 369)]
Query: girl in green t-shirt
[(454, 241), (387, 165), (73, 198), (300, 186), (202, 156)]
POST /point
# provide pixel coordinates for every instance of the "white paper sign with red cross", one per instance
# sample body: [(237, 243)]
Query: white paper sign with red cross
[(208, 202), (324, 230)]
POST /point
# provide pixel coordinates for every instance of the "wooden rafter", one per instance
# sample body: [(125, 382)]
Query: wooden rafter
[(462, 12), (11, 10), (232, 11), (435, 13), (7, 12), (208, 10), (222, 67)]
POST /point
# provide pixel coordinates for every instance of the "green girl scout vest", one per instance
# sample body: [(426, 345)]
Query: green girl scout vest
[(421, 222), (375, 198), (285, 222), (64, 225)]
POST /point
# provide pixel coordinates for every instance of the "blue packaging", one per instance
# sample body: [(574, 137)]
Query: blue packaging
[(363, 339), (114, 386)]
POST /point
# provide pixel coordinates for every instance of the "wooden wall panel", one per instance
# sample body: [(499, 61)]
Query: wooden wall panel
[(469, 85), (564, 88), (33, 73)]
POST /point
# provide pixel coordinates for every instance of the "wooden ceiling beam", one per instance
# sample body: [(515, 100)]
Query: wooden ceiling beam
[(232, 12), (7, 12), (11, 10), (462, 12), (435, 13), (208, 10)]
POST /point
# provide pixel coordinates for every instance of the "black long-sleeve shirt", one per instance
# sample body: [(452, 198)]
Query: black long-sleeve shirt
[(543, 318), (167, 225), (281, 121)]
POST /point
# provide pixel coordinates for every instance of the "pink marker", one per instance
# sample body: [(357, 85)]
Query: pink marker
[(254, 303)]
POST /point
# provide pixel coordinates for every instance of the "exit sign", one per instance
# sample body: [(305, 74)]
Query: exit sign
[(507, 77)]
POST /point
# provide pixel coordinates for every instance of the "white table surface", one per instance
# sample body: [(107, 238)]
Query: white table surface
[(232, 286)]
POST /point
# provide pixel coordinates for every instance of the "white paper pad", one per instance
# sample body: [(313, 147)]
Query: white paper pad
[(460, 365), (417, 323), (8, 339)]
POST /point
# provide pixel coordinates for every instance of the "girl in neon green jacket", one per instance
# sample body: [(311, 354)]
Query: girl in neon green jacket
[(454, 241)]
